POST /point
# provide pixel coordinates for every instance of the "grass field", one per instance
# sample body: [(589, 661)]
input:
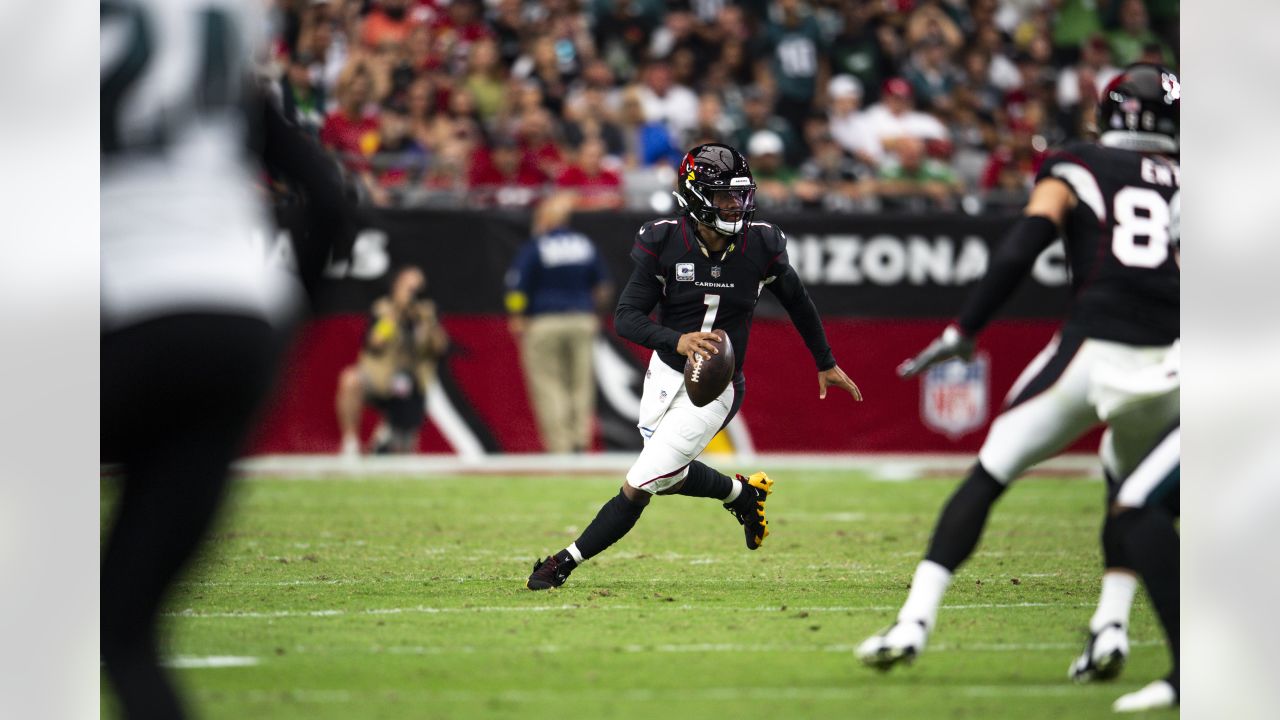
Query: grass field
[(405, 599)]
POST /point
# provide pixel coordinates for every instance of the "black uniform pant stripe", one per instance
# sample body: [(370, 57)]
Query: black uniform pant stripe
[(739, 392), (1068, 346)]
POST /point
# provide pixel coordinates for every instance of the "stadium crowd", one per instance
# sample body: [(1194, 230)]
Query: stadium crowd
[(842, 105)]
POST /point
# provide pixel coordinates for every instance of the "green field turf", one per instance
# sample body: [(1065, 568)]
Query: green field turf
[(405, 599)]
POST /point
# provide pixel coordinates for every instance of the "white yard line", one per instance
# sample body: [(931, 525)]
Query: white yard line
[(680, 648), (187, 662), (1019, 647), (889, 467), (844, 573), (557, 695), (422, 609)]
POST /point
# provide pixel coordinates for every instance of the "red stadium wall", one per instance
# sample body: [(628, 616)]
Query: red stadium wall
[(782, 410)]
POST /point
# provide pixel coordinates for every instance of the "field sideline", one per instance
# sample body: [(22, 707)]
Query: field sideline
[(386, 597)]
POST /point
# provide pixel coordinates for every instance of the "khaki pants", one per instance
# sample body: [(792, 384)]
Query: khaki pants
[(557, 365)]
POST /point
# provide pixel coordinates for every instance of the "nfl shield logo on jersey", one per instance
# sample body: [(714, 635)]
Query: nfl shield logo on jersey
[(953, 397), (715, 272)]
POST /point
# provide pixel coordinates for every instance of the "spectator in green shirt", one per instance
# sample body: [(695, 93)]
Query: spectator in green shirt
[(773, 178), (1074, 23), (1135, 34), (915, 182)]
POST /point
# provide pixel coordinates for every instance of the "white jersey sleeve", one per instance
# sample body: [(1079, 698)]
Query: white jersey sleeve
[(185, 226)]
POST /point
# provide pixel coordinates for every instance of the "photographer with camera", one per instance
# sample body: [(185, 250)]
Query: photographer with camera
[(397, 364)]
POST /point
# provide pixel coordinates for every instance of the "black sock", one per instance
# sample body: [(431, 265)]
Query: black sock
[(960, 524), (706, 482), (614, 520), (1151, 542), (1114, 554)]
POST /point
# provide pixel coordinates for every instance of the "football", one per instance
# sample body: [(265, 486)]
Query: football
[(706, 377)]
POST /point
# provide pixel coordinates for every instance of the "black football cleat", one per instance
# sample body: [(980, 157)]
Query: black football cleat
[(549, 573), (748, 508)]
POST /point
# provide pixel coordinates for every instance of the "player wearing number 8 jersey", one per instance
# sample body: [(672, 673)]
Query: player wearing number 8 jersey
[(704, 270), (1113, 203)]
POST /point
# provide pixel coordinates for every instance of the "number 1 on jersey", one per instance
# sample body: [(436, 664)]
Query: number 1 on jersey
[(713, 306)]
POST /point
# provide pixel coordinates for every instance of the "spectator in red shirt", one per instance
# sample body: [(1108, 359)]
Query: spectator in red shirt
[(598, 187), (352, 130), (504, 175), (537, 133), (1014, 164)]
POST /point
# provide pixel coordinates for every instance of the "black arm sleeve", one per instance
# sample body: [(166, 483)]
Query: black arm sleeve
[(632, 321), (804, 315), (1009, 265), (287, 153)]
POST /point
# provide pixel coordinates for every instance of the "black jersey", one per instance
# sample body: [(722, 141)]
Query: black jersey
[(1123, 271), (695, 290)]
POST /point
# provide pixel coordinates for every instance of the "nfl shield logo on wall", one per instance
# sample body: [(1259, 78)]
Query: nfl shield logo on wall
[(953, 397)]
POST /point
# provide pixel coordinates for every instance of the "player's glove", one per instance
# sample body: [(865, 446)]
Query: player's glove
[(952, 343)]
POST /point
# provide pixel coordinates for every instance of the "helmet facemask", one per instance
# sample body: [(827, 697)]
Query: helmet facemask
[(725, 210), (733, 208)]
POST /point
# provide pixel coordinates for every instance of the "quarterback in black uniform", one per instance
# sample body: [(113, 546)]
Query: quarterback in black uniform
[(1113, 203), (705, 270)]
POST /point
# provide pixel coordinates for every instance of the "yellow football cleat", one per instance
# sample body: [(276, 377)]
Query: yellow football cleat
[(748, 508)]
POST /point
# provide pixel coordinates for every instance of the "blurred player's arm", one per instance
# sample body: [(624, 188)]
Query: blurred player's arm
[(1039, 226), (790, 291), (289, 154)]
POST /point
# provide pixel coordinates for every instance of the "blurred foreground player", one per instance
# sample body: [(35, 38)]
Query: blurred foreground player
[(1112, 203), (706, 270), (193, 313), (1141, 519), (397, 364), (1143, 513), (1142, 508)]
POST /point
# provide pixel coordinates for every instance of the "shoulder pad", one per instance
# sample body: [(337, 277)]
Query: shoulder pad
[(656, 233), (1077, 164), (770, 237), (653, 242)]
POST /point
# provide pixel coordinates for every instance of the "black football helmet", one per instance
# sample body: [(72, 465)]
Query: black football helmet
[(715, 188), (1138, 110)]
